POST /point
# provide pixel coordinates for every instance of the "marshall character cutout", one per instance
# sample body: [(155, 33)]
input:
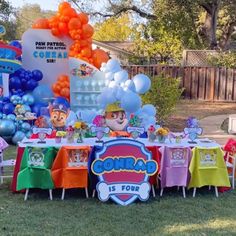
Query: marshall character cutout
[(115, 117), (59, 112)]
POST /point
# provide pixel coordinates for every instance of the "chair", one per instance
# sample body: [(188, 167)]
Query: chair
[(174, 167), (230, 159), (231, 165), (207, 168), (4, 163), (35, 170), (70, 168)]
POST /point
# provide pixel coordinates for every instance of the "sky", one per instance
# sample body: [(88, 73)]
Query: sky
[(44, 4)]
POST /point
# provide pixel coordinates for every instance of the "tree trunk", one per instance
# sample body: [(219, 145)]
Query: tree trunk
[(210, 24)]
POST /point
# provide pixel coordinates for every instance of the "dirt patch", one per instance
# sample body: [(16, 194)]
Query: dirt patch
[(198, 109)]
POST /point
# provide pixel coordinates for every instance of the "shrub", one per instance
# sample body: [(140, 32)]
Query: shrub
[(223, 59), (164, 95)]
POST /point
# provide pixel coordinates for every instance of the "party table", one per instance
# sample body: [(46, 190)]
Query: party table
[(153, 147)]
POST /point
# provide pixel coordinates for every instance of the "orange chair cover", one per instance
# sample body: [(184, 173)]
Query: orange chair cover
[(66, 176)]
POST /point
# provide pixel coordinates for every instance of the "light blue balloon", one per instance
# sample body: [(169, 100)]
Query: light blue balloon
[(130, 102), (15, 99), (11, 117), (113, 65), (149, 109), (28, 134), (71, 119), (142, 83), (26, 127), (7, 127), (4, 116), (18, 136), (42, 93), (1, 115), (129, 84), (28, 99), (121, 76)]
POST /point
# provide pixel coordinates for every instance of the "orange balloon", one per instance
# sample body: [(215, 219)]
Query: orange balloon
[(62, 6), (62, 78), (83, 18), (74, 24), (53, 22), (55, 31), (70, 12), (63, 28), (87, 31), (99, 56), (41, 23), (83, 43), (65, 92), (86, 52)]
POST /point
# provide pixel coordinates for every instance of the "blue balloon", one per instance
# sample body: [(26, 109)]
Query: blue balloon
[(37, 75), (142, 83), (42, 93), (31, 84), (28, 99), (19, 135), (28, 134), (27, 108), (1, 106), (8, 108), (149, 109), (15, 83), (1, 115), (130, 102), (25, 127), (15, 99), (16, 44), (37, 108), (11, 117), (7, 127)]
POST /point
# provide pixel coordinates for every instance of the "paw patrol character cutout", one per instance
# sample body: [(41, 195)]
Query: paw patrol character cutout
[(23, 114), (115, 117), (78, 158), (59, 111), (208, 158), (83, 71), (36, 157)]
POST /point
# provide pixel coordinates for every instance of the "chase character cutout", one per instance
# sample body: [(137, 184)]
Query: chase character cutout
[(59, 111)]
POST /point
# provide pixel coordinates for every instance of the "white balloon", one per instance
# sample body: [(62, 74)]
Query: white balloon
[(142, 83), (113, 65), (109, 76), (121, 76), (112, 84)]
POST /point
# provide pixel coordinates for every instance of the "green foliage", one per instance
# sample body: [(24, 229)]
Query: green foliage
[(165, 48), (164, 95), (223, 59), (114, 29), (26, 16)]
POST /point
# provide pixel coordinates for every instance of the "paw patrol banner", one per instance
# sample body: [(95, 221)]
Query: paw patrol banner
[(41, 50)]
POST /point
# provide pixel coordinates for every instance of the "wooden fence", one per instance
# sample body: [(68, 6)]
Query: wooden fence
[(202, 83)]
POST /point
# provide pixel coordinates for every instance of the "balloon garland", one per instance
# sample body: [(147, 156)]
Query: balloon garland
[(67, 22)]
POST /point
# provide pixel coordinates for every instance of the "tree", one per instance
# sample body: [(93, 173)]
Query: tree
[(114, 29), (6, 13), (206, 30), (26, 16)]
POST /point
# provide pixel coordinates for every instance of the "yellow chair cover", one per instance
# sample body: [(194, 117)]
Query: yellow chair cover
[(207, 167)]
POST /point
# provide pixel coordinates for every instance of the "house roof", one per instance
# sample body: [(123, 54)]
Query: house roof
[(122, 47)]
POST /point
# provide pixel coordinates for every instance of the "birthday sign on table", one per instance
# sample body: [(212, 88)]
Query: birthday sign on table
[(123, 167)]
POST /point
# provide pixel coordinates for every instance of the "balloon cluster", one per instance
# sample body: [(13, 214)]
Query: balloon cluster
[(120, 88), (62, 87), (23, 81), (67, 22), (26, 95)]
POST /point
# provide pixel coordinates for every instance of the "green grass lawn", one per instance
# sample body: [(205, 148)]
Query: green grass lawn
[(76, 215)]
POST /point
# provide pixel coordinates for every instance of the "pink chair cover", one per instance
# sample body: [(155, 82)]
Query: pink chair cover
[(174, 166), (3, 144)]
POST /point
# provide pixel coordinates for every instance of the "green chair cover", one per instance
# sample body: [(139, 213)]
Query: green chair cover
[(35, 168)]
